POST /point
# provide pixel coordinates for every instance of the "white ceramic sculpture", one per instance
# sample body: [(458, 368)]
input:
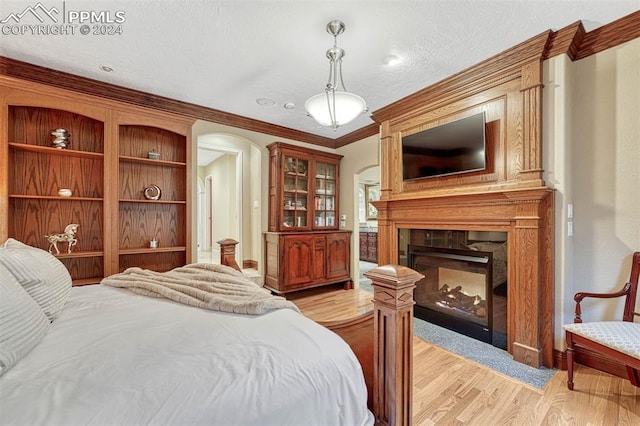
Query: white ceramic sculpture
[(68, 236)]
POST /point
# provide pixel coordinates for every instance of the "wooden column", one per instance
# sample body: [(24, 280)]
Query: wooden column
[(387, 251), (393, 343), (531, 94), (532, 316), (228, 253), (388, 184)]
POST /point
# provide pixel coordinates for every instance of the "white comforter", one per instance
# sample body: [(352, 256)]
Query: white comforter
[(114, 358)]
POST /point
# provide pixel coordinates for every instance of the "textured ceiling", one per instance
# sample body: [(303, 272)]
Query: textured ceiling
[(227, 54)]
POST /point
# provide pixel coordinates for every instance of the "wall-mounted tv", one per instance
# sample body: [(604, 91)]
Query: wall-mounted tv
[(452, 148)]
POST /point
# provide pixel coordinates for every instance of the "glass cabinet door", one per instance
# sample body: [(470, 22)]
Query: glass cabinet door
[(296, 192), (325, 196)]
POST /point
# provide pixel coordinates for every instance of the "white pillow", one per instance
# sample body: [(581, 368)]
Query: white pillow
[(22, 322), (43, 276)]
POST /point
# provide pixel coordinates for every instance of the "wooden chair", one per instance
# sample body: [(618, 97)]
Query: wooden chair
[(617, 340)]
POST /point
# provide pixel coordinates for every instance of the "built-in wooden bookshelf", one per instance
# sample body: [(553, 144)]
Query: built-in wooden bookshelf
[(142, 220), (107, 167), (36, 172)]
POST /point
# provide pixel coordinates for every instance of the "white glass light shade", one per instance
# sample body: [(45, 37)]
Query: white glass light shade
[(348, 106)]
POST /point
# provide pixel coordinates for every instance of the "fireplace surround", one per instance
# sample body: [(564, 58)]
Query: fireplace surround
[(526, 217)]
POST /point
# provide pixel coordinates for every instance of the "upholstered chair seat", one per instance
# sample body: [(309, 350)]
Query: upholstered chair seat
[(618, 335)]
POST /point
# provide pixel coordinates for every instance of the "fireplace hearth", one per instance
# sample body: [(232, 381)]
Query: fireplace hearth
[(457, 291)]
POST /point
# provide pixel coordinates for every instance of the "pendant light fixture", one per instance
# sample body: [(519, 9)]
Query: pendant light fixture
[(335, 107)]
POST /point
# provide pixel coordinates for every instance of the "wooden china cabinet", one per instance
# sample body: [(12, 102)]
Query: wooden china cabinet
[(304, 247), (111, 158)]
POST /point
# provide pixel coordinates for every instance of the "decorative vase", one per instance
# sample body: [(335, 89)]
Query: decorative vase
[(61, 138)]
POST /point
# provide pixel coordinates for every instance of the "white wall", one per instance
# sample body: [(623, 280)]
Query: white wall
[(358, 156), (558, 165), (254, 237), (224, 214), (592, 154)]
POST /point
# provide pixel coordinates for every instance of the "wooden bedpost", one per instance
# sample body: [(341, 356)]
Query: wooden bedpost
[(393, 343), (228, 253)]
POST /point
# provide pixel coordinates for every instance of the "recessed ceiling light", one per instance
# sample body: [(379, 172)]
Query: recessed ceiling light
[(265, 102), (391, 60), (106, 68), (289, 105)]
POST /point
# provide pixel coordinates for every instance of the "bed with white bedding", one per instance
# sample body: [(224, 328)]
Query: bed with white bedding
[(114, 357)]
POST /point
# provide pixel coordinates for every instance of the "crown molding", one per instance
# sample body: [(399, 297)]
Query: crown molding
[(38, 74), (362, 133), (607, 36), (567, 40)]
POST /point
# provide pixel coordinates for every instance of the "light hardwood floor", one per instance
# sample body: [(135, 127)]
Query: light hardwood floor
[(451, 390)]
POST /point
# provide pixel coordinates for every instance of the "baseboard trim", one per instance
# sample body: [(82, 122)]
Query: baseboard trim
[(590, 359), (249, 264), (560, 359)]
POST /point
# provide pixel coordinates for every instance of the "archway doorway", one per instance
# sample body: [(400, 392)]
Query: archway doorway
[(231, 197), (219, 215)]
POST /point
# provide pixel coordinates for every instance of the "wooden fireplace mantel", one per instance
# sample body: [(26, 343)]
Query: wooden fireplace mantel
[(526, 217)]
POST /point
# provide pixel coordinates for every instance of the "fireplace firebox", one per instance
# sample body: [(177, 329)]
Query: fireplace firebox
[(456, 291)]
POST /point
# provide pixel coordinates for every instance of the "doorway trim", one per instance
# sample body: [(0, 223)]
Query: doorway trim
[(208, 213)]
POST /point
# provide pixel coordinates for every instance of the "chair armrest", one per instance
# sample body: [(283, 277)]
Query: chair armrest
[(580, 296)]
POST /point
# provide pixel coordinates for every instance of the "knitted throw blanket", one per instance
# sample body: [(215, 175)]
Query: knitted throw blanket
[(204, 285)]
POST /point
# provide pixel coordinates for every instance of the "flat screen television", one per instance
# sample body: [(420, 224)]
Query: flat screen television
[(452, 148)]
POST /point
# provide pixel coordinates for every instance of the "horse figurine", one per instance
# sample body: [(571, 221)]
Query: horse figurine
[(68, 236)]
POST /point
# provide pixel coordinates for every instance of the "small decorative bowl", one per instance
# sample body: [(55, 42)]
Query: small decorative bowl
[(64, 192)]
